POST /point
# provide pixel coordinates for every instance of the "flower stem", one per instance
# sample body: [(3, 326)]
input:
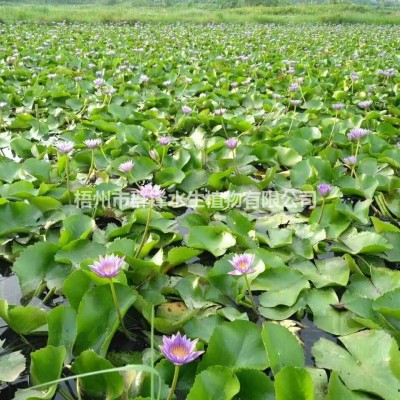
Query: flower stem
[(67, 178), (174, 382), (102, 152), (253, 304), (145, 231), (91, 168), (237, 172), (163, 154), (121, 320), (223, 127), (78, 389), (152, 352), (322, 210), (292, 119), (357, 148), (333, 128)]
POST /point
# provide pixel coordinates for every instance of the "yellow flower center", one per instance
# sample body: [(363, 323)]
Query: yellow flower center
[(179, 351), (242, 266), (108, 268)]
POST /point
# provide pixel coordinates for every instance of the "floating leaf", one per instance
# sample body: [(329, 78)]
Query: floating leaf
[(236, 344), (215, 382), (369, 362), (282, 347), (97, 318), (214, 239), (108, 385)]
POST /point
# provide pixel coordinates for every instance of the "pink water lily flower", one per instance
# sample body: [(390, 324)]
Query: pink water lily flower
[(242, 263), (179, 349), (108, 266)]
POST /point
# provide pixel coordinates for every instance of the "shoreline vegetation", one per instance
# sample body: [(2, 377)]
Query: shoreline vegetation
[(199, 13)]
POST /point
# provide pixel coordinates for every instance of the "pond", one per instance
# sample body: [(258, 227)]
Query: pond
[(199, 212)]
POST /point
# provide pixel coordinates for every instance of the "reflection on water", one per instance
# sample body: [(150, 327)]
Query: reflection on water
[(311, 334)]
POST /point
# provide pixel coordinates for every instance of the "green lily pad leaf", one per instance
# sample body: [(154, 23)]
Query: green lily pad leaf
[(370, 362), (216, 382), (79, 251), (169, 318), (255, 385), (38, 168), (320, 382), (9, 170), (169, 176), (18, 217), (292, 383), (119, 112), (97, 318), (236, 344), (365, 242), (11, 366), (333, 222), (326, 317), (35, 264), (217, 180), (389, 306), (283, 287), (178, 255), (282, 347), (385, 279), (337, 390), (364, 185), (202, 328), (142, 270), (214, 239), (393, 238), (232, 314), (75, 286), (22, 121), (358, 213), (22, 147), (309, 133), (35, 394), (278, 237), (158, 221), (23, 320), (390, 301), (104, 126), (74, 104), (393, 204), (109, 385), (122, 247), (62, 329), (76, 227), (45, 203), (20, 190), (242, 228), (191, 291), (46, 366), (301, 173), (280, 313), (287, 156), (325, 272), (303, 247), (381, 226), (143, 168), (194, 179)]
